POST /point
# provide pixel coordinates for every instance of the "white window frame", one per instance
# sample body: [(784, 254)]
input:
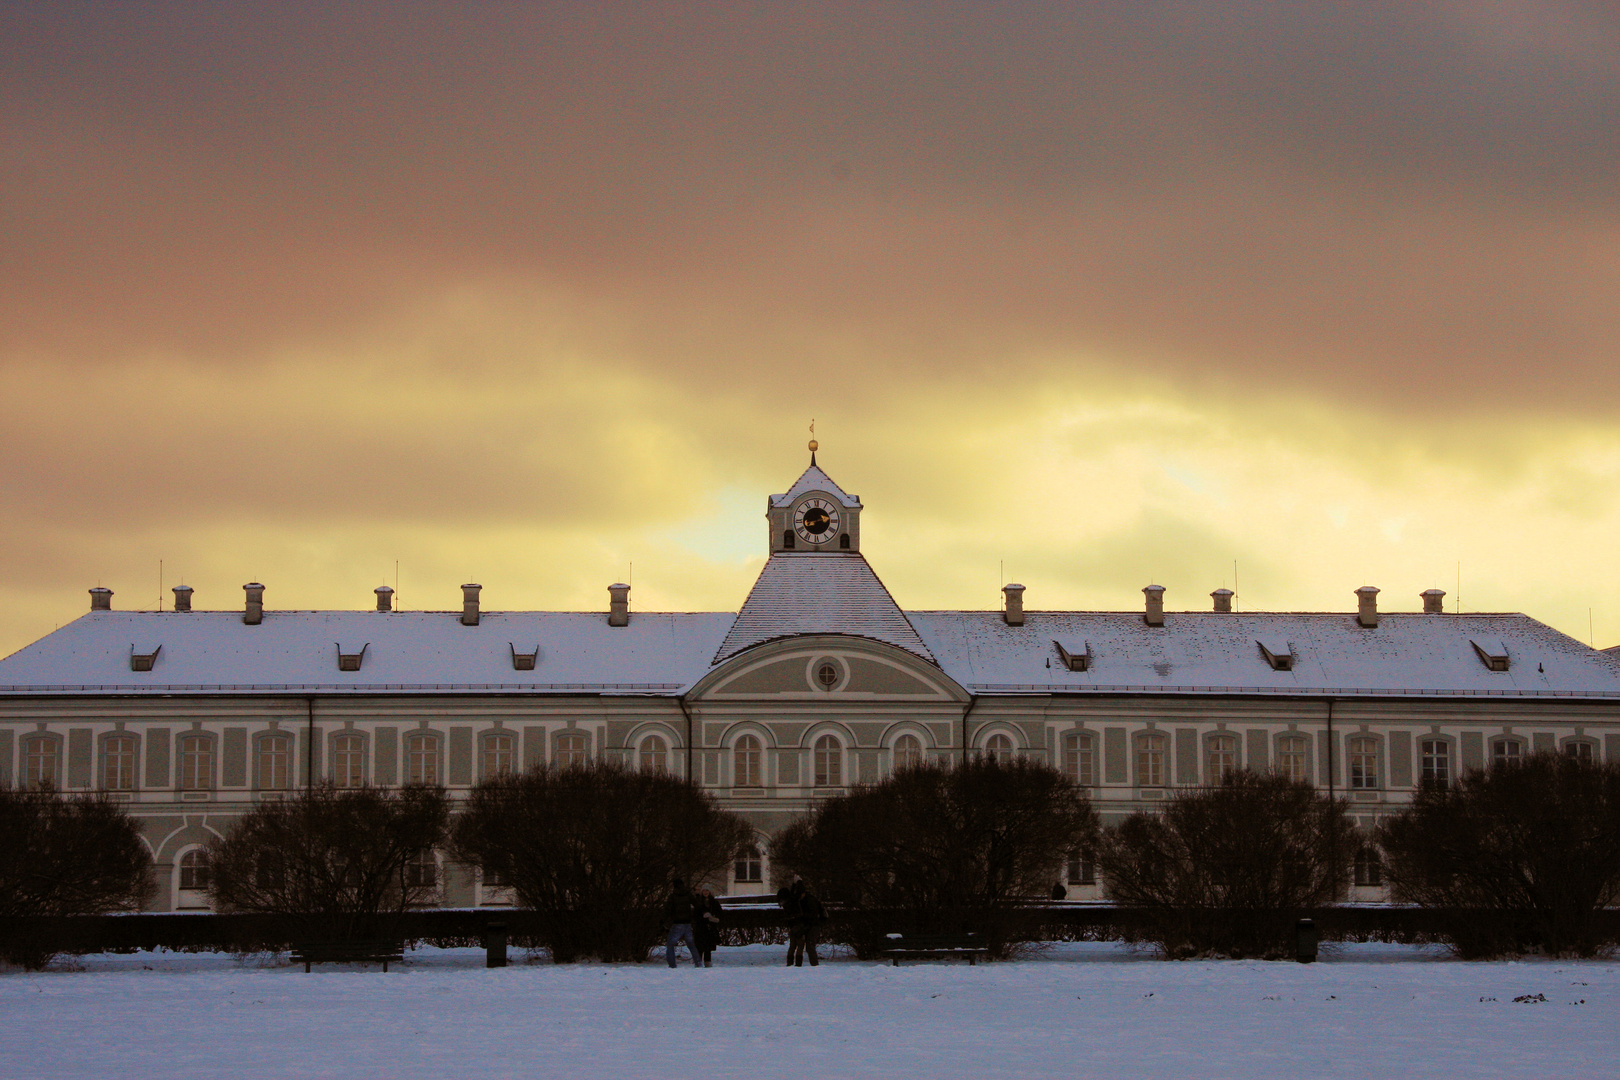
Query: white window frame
[(748, 761), (827, 761)]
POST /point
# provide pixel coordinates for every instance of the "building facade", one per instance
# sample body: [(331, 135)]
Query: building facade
[(819, 682)]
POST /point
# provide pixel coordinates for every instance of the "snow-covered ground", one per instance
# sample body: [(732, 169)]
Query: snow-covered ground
[(1074, 1010)]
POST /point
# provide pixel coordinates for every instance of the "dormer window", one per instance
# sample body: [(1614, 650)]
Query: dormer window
[(351, 661), (1492, 653), (1076, 655), (143, 661), (523, 661), (1278, 653)]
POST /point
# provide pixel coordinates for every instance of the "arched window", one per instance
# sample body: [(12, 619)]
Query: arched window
[(1291, 751), (749, 868), (498, 754), (422, 758), (1080, 759), (571, 749), (194, 870), (1364, 762), (1435, 757), (1150, 760), (999, 747), (654, 754), (1223, 757), (118, 763), (746, 757), (907, 752), (1506, 752), (275, 760), (348, 761), (829, 756), (196, 762), (39, 762)]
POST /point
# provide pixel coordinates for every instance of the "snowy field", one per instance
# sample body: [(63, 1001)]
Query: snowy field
[(1075, 1010)]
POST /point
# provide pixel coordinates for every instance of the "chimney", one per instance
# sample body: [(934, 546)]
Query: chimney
[(1012, 611), (385, 598), (1154, 616), (1367, 609), (1223, 601), (254, 615), (619, 605), (469, 604), (1433, 601), (100, 599), (182, 597)]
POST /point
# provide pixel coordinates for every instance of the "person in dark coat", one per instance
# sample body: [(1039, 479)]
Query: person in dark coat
[(805, 916), (679, 911), (706, 925)]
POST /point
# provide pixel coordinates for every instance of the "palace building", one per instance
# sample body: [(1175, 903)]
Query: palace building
[(819, 682)]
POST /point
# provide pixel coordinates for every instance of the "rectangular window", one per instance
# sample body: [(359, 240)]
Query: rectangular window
[(498, 755), (1436, 757), (829, 762), (1150, 761), (654, 754), (1580, 751), (118, 763), (422, 870), (1080, 759), (275, 759), (749, 868), (1223, 760), (1506, 752), (39, 762), (1364, 763), (746, 761), (1369, 870), (1291, 752), (1082, 871), (196, 762), (348, 761), (570, 749), (422, 759)]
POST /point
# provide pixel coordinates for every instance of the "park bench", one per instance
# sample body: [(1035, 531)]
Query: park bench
[(934, 947), (357, 951)]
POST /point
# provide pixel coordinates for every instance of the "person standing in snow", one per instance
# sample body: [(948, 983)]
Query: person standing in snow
[(805, 916), (679, 910), (706, 926)]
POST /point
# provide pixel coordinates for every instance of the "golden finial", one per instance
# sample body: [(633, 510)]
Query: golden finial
[(813, 444)]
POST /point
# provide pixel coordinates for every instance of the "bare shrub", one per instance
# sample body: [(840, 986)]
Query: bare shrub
[(1226, 870), (935, 849), (593, 848), (332, 859), (66, 855), (1521, 858)]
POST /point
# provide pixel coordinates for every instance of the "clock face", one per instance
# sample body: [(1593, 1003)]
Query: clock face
[(816, 521)]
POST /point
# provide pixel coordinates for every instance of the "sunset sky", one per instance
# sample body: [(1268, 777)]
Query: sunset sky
[(1297, 297)]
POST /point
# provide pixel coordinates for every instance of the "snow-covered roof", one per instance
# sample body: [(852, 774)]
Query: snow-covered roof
[(814, 479), (1208, 652), (816, 592), (407, 651), (808, 593)]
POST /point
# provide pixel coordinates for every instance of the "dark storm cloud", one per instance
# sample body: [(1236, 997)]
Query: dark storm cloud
[(1395, 200)]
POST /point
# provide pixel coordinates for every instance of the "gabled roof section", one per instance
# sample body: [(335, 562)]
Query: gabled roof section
[(815, 592), (814, 480)]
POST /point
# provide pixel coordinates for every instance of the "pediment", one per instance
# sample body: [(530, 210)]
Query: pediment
[(798, 668)]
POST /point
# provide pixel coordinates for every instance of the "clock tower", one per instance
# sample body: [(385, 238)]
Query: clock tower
[(814, 515)]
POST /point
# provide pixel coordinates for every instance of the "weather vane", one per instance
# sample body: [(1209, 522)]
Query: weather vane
[(813, 443)]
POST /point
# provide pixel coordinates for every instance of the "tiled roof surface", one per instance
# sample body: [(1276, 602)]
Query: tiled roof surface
[(819, 593)]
